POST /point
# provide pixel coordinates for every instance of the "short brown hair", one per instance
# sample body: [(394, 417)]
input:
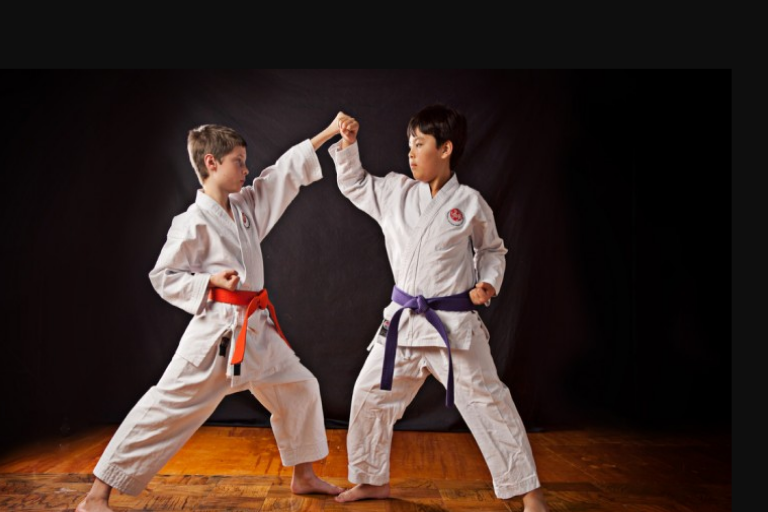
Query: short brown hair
[(214, 139)]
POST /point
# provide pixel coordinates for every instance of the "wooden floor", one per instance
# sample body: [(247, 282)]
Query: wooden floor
[(238, 468)]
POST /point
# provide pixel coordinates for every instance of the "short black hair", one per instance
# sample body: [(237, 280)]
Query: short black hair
[(443, 123)]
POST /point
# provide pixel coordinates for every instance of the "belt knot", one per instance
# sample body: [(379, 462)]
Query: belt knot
[(421, 304)]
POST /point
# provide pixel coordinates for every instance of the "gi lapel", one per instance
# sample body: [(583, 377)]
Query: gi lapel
[(215, 214), (437, 203), (250, 252), (224, 225)]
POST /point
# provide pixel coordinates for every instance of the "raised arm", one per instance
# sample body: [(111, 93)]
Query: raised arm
[(369, 193), (277, 185)]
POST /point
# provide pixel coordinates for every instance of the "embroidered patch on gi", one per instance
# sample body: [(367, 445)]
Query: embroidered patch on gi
[(246, 222), (455, 217), (384, 328)]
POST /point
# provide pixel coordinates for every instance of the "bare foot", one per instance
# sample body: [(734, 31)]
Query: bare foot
[(364, 492), (302, 484), (533, 501), (97, 499), (93, 505)]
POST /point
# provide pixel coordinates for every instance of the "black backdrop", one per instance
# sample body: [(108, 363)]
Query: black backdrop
[(611, 190)]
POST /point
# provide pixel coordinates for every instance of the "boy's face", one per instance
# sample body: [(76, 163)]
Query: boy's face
[(426, 159), (229, 174)]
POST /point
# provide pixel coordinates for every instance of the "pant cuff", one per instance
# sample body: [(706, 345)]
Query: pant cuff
[(306, 453), (505, 491), (118, 479), (361, 477)]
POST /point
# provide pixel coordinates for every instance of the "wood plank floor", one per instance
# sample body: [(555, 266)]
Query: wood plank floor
[(238, 468)]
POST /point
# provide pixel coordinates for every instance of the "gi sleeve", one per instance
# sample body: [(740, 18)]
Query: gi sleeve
[(173, 277), (277, 185), (490, 252), (367, 192)]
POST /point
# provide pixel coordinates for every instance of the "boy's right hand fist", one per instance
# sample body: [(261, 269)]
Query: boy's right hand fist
[(348, 128), (226, 279)]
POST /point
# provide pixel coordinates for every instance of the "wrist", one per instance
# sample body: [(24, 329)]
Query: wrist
[(320, 139)]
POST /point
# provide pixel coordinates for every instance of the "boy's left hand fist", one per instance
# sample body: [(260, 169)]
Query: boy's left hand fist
[(481, 293)]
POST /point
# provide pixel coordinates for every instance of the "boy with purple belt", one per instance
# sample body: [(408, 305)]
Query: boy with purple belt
[(447, 259)]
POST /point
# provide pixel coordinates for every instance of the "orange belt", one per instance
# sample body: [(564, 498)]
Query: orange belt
[(254, 301)]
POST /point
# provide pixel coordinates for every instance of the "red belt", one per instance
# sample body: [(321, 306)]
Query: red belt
[(254, 301)]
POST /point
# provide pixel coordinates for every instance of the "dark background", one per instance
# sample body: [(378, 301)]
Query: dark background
[(611, 189)]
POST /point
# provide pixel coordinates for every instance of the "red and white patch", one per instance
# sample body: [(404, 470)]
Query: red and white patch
[(455, 217), (246, 222)]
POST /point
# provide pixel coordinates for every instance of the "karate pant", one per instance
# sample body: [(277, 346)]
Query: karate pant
[(185, 397), (484, 402)]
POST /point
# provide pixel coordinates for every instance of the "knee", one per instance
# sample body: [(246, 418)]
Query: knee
[(311, 388)]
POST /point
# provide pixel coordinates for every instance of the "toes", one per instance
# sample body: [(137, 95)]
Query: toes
[(342, 497)]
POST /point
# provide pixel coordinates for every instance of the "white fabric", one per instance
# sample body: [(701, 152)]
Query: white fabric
[(170, 412), (444, 262), (450, 256), (202, 241), (483, 400)]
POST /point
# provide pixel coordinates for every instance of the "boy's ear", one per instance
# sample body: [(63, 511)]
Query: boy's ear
[(447, 149), (210, 162)]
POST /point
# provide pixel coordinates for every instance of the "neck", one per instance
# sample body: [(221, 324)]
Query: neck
[(219, 196), (436, 184)]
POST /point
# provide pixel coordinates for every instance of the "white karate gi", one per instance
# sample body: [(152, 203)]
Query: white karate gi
[(437, 247), (203, 241)]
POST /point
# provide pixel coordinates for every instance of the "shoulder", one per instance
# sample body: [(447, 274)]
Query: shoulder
[(470, 193), (186, 225), (473, 197), (399, 185), (473, 192), (397, 178)]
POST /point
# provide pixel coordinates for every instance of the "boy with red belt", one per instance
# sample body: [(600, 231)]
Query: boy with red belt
[(211, 267)]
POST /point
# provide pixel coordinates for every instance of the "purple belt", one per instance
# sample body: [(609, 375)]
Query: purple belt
[(426, 307)]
